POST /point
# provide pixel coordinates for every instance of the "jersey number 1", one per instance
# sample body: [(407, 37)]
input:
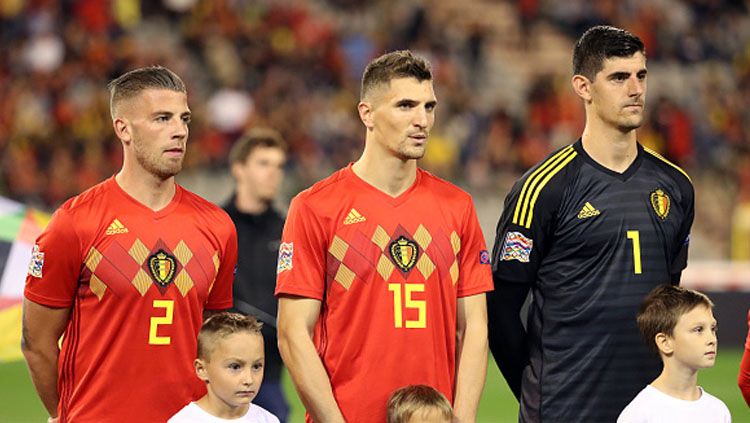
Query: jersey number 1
[(636, 238), (410, 303), (166, 319)]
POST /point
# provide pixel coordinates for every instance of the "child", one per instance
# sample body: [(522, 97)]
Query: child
[(230, 361), (678, 324), (418, 404)]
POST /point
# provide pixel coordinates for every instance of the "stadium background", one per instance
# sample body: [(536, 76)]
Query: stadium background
[(502, 71)]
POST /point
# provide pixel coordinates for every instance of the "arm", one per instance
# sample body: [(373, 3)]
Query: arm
[(297, 319), (471, 355), (743, 379), (42, 328), (507, 335)]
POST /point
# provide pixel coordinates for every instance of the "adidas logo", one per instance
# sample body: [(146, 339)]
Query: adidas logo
[(353, 217), (116, 227), (588, 211)]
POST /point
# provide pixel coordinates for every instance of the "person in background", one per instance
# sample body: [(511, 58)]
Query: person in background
[(256, 163)]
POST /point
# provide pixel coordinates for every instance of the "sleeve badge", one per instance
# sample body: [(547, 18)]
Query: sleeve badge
[(36, 263), (516, 247), (286, 253)]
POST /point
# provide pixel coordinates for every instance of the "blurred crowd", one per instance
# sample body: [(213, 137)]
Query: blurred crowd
[(502, 72)]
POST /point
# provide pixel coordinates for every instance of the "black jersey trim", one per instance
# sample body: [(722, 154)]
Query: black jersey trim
[(660, 157), (524, 211)]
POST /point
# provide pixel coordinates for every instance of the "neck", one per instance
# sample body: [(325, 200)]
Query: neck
[(149, 190), (608, 146), (249, 203), (678, 381), (386, 172), (218, 408)]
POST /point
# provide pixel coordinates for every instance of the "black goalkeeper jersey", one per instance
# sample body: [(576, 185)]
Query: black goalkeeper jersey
[(590, 244)]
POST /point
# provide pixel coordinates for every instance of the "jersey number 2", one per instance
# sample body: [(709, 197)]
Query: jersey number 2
[(409, 303), (166, 319), (636, 238)]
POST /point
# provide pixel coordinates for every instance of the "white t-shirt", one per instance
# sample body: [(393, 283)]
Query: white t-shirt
[(192, 413), (653, 405)]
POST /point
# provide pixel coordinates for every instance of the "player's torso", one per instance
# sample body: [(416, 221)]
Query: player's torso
[(142, 289), (391, 292), (614, 236)]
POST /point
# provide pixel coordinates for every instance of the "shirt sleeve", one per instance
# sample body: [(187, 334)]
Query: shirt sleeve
[(521, 234), (302, 254), (220, 297), (55, 266), (683, 237), (475, 275)]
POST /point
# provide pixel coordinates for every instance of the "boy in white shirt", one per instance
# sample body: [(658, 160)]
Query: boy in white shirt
[(230, 361), (678, 324)]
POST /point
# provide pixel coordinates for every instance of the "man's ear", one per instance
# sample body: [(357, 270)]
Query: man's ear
[(582, 87), (200, 369), (664, 343), (122, 129), (365, 110)]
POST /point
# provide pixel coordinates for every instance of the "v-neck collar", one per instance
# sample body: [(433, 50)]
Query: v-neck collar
[(164, 211), (393, 201), (624, 176)]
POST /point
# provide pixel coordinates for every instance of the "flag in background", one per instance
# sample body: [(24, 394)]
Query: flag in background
[(19, 228)]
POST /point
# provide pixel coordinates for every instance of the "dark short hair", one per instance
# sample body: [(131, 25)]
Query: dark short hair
[(663, 307), (396, 64), (132, 83), (220, 326), (252, 139), (602, 42), (409, 400)]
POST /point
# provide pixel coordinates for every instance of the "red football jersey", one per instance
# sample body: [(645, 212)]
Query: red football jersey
[(137, 282), (389, 272)]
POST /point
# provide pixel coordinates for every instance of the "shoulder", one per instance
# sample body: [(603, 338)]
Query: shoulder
[(203, 207), (713, 402), (634, 412), (680, 177), (443, 188), (327, 187), (189, 413), (88, 199)]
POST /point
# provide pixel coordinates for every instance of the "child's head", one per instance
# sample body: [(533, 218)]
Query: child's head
[(231, 358), (679, 323), (418, 404)]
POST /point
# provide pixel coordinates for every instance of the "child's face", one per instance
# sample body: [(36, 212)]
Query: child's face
[(694, 338), (429, 415), (235, 369)]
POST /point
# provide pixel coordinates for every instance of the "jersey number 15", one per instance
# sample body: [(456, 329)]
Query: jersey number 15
[(408, 303)]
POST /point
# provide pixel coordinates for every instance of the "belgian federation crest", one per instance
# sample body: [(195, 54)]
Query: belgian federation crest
[(404, 253), (660, 202), (162, 267)]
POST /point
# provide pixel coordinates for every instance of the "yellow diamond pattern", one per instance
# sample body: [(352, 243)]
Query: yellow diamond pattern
[(183, 253), (139, 252), (425, 266), (385, 267), (338, 248), (344, 276), (142, 282), (455, 242), (423, 237), (97, 286), (380, 238), (454, 272), (93, 259), (184, 282)]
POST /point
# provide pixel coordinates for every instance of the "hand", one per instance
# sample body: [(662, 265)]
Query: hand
[(53, 420)]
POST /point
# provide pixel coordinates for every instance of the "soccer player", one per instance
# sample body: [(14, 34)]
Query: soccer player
[(589, 231), (231, 363), (679, 325), (382, 268), (257, 165), (125, 270)]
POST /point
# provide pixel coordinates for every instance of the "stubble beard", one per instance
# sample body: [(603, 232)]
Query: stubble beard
[(158, 166)]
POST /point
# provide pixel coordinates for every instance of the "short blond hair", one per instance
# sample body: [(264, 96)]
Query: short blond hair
[(409, 400), (220, 326)]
